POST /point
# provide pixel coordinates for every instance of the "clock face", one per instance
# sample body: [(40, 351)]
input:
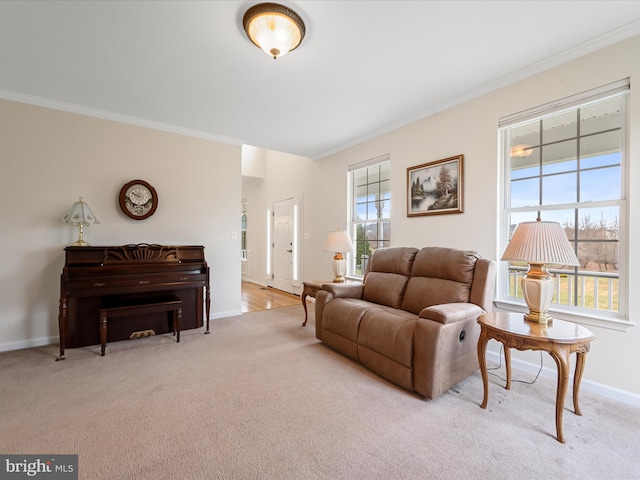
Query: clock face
[(139, 195), (138, 199)]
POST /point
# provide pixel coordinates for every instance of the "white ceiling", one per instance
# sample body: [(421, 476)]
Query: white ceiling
[(364, 67)]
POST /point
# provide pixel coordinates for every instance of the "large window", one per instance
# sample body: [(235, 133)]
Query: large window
[(566, 162), (370, 212)]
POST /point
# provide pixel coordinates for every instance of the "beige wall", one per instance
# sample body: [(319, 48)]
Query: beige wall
[(471, 129), (49, 158)]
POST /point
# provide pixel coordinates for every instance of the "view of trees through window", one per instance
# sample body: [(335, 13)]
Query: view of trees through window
[(567, 167), (370, 212)]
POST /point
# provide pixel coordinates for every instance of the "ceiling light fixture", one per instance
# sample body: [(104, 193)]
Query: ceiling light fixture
[(274, 28)]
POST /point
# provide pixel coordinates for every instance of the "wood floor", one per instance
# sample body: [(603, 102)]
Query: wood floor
[(256, 298)]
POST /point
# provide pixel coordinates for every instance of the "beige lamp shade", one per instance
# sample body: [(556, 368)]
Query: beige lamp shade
[(339, 242), (540, 242)]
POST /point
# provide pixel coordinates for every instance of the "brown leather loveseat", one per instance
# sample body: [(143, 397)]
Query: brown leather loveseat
[(413, 319)]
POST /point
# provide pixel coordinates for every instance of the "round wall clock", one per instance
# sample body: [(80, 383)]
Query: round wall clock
[(138, 199)]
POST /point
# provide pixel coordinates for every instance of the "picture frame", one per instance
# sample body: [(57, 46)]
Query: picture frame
[(435, 188)]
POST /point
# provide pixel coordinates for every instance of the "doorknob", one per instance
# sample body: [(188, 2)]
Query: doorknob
[(289, 251)]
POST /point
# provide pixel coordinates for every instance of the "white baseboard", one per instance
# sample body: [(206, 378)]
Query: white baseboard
[(590, 386), (230, 313), (33, 342)]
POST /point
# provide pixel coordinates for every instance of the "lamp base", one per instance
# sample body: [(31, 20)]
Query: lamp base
[(538, 288), (538, 317), (339, 268), (80, 243)]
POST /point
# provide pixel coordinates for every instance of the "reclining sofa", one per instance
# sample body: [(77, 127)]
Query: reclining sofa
[(413, 319)]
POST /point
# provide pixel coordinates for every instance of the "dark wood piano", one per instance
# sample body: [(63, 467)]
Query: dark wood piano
[(97, 277)]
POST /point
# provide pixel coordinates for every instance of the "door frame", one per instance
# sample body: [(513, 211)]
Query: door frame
[(296, 274)]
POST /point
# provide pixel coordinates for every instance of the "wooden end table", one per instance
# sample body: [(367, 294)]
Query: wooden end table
[(559, 338)]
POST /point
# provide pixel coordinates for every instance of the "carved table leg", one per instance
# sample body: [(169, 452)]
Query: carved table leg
[(561, 355), (507, 364), (304, 305), (577, 378), (482, 350)]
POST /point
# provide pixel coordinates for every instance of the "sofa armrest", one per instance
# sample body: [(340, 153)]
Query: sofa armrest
[(445, 347), (483, 286), (344, 290), (451, 312)]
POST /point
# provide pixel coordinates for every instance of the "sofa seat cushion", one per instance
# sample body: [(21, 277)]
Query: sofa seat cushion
[(341, 323), (342, 316), (385, 344), (389, 332)]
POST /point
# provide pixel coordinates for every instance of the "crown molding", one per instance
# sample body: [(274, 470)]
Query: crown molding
[(115, 117), (559, 58)]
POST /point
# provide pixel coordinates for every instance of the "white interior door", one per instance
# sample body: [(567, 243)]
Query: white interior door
[(283, 238)]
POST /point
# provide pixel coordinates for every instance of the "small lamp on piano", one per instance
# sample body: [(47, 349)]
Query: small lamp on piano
[(539, 243), (339, 242), (79, 215)]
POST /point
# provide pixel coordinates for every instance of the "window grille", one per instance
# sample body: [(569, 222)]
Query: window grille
[(370, 210)]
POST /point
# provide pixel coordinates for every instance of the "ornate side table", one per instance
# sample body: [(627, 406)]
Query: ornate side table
[(559, 338)]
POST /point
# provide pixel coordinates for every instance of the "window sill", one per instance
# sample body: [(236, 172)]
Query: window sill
[(616, 324)]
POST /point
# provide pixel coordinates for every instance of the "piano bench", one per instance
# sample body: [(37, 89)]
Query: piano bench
[(173, 304)]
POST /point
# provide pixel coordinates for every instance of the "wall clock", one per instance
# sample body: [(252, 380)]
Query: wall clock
[(138, 199)]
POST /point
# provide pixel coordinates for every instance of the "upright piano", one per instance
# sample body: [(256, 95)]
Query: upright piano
[(96, 277)]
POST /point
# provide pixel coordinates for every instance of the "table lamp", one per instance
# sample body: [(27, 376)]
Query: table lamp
[(79, 215), (539, 243), (339, 242)]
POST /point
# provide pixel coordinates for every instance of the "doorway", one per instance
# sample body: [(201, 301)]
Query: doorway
[(285, 245)]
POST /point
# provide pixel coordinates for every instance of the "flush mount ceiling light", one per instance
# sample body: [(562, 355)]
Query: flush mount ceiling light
[(274, 28)]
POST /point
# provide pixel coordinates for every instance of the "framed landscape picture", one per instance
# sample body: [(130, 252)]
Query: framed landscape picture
[(435, 188)]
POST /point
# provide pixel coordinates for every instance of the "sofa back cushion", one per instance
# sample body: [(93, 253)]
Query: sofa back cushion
[(439, 275), (387, 273)]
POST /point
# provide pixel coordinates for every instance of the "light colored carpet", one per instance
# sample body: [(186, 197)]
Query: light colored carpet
[(261, 398)]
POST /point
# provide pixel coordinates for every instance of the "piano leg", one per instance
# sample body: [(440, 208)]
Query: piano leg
[(103, 331), (177, 316), (208, 303), (62, 325)]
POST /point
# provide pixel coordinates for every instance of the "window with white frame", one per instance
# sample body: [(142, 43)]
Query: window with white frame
[(567, 162), (370, 210)]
